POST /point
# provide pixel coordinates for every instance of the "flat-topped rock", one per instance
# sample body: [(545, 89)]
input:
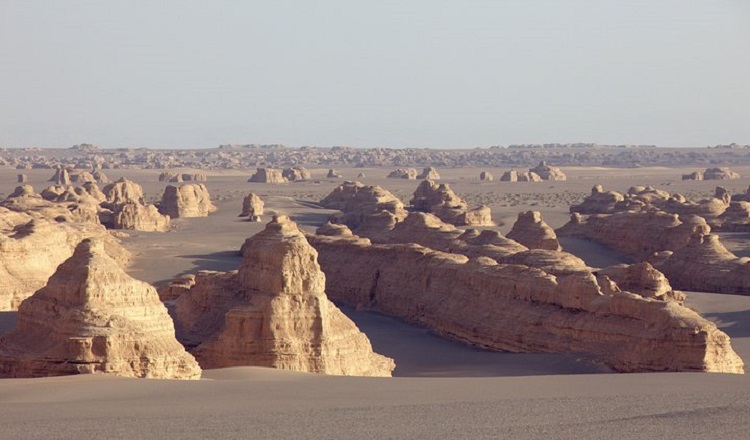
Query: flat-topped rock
[(188, 200)]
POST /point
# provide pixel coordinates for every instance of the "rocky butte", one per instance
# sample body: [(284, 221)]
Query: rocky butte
[(440, 200), (92, 317), (189, 200), (528, 303), (273, 312)]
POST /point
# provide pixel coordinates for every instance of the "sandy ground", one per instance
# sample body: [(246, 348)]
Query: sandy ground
[(442, 389)]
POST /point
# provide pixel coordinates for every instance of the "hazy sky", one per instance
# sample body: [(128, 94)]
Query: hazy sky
[(429, 73)]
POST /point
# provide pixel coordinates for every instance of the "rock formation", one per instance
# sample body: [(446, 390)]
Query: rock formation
[(188, 200), (267, 175), (519, 308), (82, 177), (23, 178), (332, 174), (252, 207), (273, 312), (485, 176), (531, 231), (429, 173), (296, 174), (440, 200), (643, 279), (509, 176), (137, 217), (546, 172), (722, 173), (695, 175), (124, 191), (32, 245), (61, 176), (529, 176), (403, 173), (92, 317), (365, 208)]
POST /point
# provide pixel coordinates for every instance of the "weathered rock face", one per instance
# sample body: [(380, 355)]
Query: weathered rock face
[(403, 173), (296, 174), (82, 177), (176, 287), (485, 176), (365, 208), (695, 175), (196, 177), (273, 312), (138, 217), (735, 219), (100, 177), (92, 317), (124, 191), (166, 176), (429, 173), (520, 308), (509, 176), (23, 178), (252, 207), (334, 230), (332, 174), (643, 279), (722, 173), (440, 200), (531, 231), (267, 175), (546, 172), (189, 200), (529, 176), (61, 176)]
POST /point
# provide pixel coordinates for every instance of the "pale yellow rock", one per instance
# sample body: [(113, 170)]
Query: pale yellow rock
[(429, 173), (124, 191), (367, 209), (531, 231), (274, 312), (252, 207), (92, 317), (547, 172), (268, 175), (189, 200), (138, 217), (440, 200), (403, 173), (722, 173)]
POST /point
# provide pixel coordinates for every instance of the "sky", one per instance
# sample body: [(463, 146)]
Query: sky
[(409, 73)]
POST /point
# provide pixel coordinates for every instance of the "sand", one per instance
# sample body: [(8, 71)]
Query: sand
[(442, 389)]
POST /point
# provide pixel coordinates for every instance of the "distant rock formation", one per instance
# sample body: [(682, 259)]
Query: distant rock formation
[(509, 176), (695, 175), (529, 176), (267, 175), (124, 191), (643, 279), (332, 174), (296, 174), (124, 208), (485, 176), (364, 207), (722, 173), (23, 178), (166, 176), (273, 312), (531, 231), (334, 230), (440, 200), (403, 173), (188, 200), (92, 317), (429, 173), (521, 308), (82, 177), (61, 176), (252, 207), (546, 172)]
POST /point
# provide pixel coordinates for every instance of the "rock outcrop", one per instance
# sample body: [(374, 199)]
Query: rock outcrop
[(188, 200), (695, 175), (23, 178), (332, 174), (440, 200), (267, 175), (546, 172), (133, 216), (124, 191), (485, 176), (252, 207), (273, 312), (61, 176), (515, 307), (722, 173), (531, 231), (429, 173), (509, 176), (403, 173), (92, 317), (296, 174), (368, 209), (529, 176)]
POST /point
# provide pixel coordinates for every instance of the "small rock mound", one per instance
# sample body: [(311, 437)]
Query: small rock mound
[(403, 173), (546, 172), (531, 231), (332, 174)]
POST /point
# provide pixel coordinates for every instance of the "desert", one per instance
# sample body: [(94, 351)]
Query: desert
[(446, 361)]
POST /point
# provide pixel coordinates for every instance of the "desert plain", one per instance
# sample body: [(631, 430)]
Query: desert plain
[(441, 388)]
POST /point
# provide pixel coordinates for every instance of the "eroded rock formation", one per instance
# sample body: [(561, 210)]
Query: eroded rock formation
[(485, 176), (332, 174), (273, 312), (547, 172), (365, 208), (403, 173), (267, 175), (531, 231), (429, 173), (188, 200), (440, 200), (252, 207), (722, 173), (92, 317)]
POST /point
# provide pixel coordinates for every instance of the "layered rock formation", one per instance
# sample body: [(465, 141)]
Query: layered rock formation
[(365, 208), (529, 176), (403, 173), (296, 174), (547, 172), (252, 207), (273, 312), (33, 245), (92, 317), (531, 231), (124, 191), (440, 200), (267, 175), (429, 173), (722, 173), (519, 308), (695, 175), (124, 208), (61, 176), (189, 200)]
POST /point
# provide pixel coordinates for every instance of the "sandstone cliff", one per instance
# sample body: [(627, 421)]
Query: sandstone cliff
[(92, 317)]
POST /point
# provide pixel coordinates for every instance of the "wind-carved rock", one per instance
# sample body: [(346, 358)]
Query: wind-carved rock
[(296, 174), (722, 173), (643, 279), (695, 175), (429, 173), (486, 176), (273, 312), (403, 173), (440, 200), (267, 175), (92, 317), (531, 231), (124, 208), (124, 191), (61, 176), (547, 172), (188, 200), (332, 174), (529, 176), (23, 178), (252, 207), (509, 176), (521, 308), (368, 209)]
